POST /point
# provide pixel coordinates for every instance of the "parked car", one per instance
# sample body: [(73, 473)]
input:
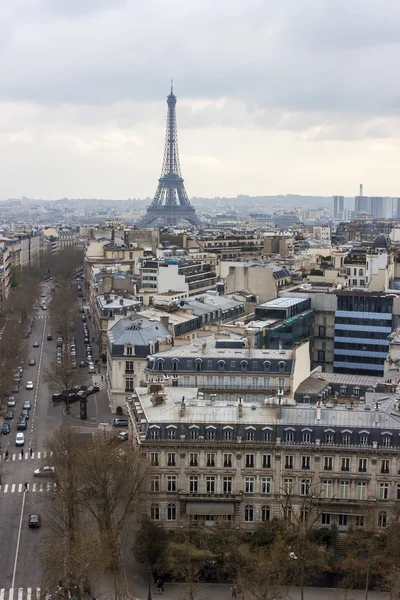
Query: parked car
[(44, 472), (91, 368), (11, 402), (22, 424), (9, 414), (92, 389), (34, 521), (27, 405), (120, 422), (82, 395), (36, 344), (5, 429), (32, 362), (20, 439), (123, 436), (15, 389), (82, 364), (29, 385)]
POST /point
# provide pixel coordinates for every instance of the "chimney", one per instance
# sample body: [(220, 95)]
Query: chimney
[(183, 407), (319, 409), (121, 301), (112, 234), (361, 190), (280, 344), (240, 408), (376, 414), (203, 348), (165, 321)]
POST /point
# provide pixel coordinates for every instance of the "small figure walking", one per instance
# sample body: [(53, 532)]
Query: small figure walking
[(26, 486), (102, 377), (7, 455), (31, 451), (159, 586), (234, 595), (22, 452)]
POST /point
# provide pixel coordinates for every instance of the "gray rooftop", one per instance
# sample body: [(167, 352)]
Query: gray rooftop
[(281, 302), (138, 332)]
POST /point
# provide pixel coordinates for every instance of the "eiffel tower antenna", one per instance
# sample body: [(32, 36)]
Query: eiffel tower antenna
[(171, 203)]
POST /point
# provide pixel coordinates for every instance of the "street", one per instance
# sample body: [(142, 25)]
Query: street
[(20, 570)]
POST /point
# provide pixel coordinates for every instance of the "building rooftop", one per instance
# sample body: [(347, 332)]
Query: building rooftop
[(113, 301), (137, 332), (281, 302)]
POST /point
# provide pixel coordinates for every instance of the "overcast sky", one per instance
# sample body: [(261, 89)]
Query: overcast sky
[(274, 96)]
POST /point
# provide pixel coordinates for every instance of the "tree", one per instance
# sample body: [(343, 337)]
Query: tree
[(151, 543), (62, 376)]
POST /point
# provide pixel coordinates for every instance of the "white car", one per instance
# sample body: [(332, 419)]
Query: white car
[(44, 472), (91, 368), (11, 402), (20, 439), (29, 385)]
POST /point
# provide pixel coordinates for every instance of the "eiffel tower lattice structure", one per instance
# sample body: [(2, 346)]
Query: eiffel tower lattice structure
[(171, 203)]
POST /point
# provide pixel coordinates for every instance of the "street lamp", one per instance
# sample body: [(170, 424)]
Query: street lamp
[(149, 594)]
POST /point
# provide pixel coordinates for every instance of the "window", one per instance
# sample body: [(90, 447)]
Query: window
[(171, 433), (327, 488), (154, 459), (155, 483), (267, 366), (386, 441), (171, 460), (306, 437), (398, 492), (250, 461), (129, 366), (360, 520), (227, 485), (221, 365), (304, 514), (228, 434), (304, 487), (383, 491), (385, 466), (243, 365), (249, 485), (171, 512), (343, 520), (227, 460), (266, 461), (175, 364), (193, 459), (210, 460), (345, 464), (266, 485), (154, 512), (288, 485), (194, 434), (361, 490), (210, 434), (382, 519), (171, 483), (321, 331), (265, 513), (355, 281), (198, 364), (344, 488), (250, 435), (193, 485), (325, 519), (289, 461), (154, 433), (249, 513), (321, 356), (328, 463), (363, 440), (306, 463), (129, 384), (210, 485), (346, 439), (267, 436), (129, 350), (361, 272), (362, 465), (289, 436), (329, 439)]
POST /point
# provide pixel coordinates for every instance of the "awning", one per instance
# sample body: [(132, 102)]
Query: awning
[(209, 508)]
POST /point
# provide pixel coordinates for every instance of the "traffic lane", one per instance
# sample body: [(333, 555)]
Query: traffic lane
[(28, 564), (11, 505)]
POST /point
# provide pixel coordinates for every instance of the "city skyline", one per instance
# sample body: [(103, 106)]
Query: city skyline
[(272, 99)]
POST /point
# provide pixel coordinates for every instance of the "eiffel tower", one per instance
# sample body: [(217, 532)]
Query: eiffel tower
[(171, 203)]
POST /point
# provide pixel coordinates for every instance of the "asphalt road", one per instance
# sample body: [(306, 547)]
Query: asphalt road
[(20, 571)]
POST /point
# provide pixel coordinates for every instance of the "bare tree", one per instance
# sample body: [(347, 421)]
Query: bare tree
[(63, 376)]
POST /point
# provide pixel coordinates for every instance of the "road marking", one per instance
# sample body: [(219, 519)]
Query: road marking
[(28, 594), (11, 594), (20, 488), (33, 487), (2, 594), (13, 490), (20, 592), (6, 488), (18, 540)]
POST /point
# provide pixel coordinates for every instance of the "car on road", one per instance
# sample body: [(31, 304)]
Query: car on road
[(20, 439), (32, 362), (5, 429), (44, 307), (120, 422), (34, 521), (36, 344), (29, 385), (91, 368), (81, 395), (22, 424), (49, 337), (92, 389), (82, 363), (9, 414), (11, 402), (24, 414), (123, 436), (27, 405), (44, 472), (15, 389)]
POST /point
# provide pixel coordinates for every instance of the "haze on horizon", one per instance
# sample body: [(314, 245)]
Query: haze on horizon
[(273, 98)]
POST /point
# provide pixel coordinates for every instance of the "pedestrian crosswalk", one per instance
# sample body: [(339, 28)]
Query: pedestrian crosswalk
[(26, 455), (18, 488), (21, 594), (99, 380)]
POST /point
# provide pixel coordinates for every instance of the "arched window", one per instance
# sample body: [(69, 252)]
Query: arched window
[(175, 364), (265, 513), (171, 512), (160, 364), (361, 272), (281, 366), (155, 512), (267, 366), (249, 513), (198, 363), (221, 365), (243, 365), (382, 519)]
